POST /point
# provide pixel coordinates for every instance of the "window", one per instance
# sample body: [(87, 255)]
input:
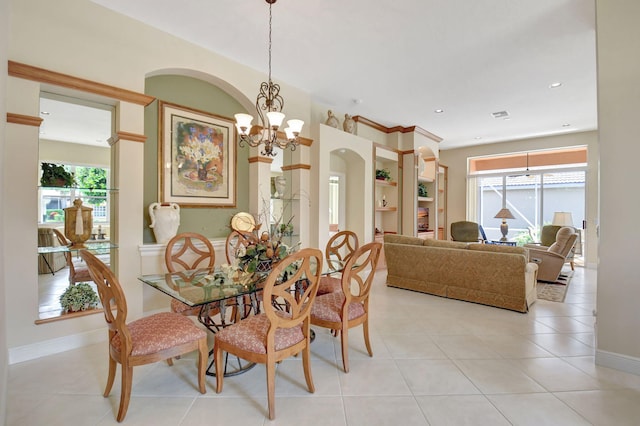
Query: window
[(91, 189), (537, 185)]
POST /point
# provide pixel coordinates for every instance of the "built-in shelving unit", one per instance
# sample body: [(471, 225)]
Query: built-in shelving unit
[(387, 199)]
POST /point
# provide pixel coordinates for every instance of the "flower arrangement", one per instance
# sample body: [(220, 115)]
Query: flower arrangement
[(79, 297), (262, 250), (200, 148)]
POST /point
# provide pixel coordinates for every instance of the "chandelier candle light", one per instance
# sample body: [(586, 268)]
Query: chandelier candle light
[(269, 103)]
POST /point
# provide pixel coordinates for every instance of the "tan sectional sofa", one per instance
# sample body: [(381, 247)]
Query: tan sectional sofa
[(494, 275)]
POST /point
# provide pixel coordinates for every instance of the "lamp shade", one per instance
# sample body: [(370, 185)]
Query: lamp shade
[(275, 119), (504, 213), (562, 219), (243, 123), (295, 126)]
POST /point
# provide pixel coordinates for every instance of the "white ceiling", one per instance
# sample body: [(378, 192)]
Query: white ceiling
[(397, 62)]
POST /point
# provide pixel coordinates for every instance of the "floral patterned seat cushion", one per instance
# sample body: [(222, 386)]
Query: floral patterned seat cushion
[(250, 334), (158, 332), (329, 306), (329, 285)]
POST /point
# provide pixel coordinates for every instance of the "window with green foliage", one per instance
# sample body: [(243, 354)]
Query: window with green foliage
[(91, 189)]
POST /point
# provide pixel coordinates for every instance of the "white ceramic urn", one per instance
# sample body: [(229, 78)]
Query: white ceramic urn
[(165, 220)]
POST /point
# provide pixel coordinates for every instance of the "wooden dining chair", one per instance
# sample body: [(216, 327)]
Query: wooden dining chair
[(339, 311), (277, 333), (339, 247), (234, 241), (77, 274), (147, 340), (187, 251)]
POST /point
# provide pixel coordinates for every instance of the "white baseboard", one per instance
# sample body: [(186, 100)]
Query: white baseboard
[(620, 362), (54, 346)]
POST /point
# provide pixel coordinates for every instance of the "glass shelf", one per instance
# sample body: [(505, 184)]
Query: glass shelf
[(75, 188)]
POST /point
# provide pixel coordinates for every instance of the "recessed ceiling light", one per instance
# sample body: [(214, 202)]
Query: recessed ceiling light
[(500, 114), (566, 125), (555, 85), (439, 111), (478, 137), (44, 113)]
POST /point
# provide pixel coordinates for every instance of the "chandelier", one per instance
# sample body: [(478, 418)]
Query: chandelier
[(269, 103)]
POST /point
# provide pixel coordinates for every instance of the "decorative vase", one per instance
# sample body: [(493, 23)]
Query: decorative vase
[(78, 223), (165, 220), (202, 172), (349, 124), (280, 183)]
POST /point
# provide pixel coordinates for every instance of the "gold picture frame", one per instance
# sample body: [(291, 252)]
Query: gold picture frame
[(197, 158)]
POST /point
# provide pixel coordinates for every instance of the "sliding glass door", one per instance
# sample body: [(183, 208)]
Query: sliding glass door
[(533, 198)]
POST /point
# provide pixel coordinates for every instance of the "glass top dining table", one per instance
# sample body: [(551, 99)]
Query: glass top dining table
[(214, 292), (200, 287)]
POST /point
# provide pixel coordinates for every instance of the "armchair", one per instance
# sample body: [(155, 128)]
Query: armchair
[(550, 259), (548, 237), (56, 261), (465, 231)]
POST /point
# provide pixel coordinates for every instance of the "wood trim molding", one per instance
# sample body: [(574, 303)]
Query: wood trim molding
[(384, 129), (27, 120), (388, 148), (42, 75), (134, 137), (260, 160), (305, 141), (296, 167)]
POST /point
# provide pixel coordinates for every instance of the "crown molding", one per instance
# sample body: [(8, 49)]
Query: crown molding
[(385, 129)]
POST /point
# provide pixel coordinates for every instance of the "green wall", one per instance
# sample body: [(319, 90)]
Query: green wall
[(203, 96)]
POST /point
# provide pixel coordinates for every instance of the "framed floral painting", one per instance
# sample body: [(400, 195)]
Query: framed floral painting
[(197, 158)]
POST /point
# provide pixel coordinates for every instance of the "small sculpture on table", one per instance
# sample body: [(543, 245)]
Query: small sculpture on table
[(78, 223)]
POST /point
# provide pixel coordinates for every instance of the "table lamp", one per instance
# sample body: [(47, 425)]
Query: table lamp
[(562, 219), (504, 214)]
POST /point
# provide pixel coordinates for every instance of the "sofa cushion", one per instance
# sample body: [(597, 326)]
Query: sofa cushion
[(402, 239), (446, 244), (498, 248)]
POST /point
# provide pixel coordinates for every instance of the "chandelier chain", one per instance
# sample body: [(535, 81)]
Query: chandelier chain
[(270, 19)]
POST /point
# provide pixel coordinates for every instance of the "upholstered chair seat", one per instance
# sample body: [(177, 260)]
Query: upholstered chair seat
[(328, 307), (250, 334), (145, 339), (329, 284)]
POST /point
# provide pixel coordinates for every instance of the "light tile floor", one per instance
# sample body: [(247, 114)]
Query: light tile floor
[(436, 362)]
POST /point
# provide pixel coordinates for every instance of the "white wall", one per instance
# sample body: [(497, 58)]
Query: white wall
[(65, 152), (359, 157), (4, 355), (618, 43), (456, 159)]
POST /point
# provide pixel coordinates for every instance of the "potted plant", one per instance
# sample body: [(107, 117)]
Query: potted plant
[(79, 297), (422, 190), (56, 175), (383, 174)]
